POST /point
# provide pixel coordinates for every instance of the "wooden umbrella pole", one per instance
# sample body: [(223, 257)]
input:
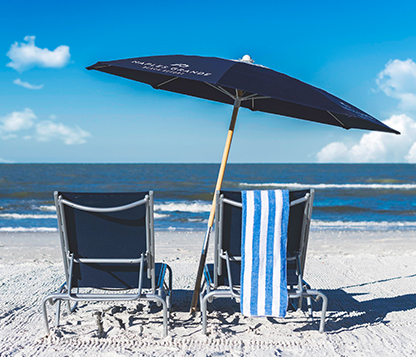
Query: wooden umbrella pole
[(204, 252)]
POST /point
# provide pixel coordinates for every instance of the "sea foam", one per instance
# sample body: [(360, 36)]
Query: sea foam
[(301, 186), (183, 206), (31, 229), (26, 216), (372, 225), (46, 208)]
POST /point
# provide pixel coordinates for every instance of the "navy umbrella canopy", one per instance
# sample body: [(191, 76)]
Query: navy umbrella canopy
[(243, 84), (262, 89)]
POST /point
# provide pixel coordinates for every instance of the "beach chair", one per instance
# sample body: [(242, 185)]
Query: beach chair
[(107, 242), (222, 278)]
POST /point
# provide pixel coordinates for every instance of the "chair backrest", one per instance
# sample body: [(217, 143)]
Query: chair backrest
[(109, 234), (300, 216), (228, 232), (227, 236)]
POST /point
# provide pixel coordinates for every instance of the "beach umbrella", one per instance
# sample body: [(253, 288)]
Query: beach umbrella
[(240, 83)]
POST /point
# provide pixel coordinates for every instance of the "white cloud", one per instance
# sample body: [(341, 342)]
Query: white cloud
[(4, 161), (26, 55), (27, 84), (8, 136), (398, 80), (377, 146), (411, 155), (16, 121), (333, 152), (47, 130)]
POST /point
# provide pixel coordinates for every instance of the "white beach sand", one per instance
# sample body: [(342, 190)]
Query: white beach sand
[(368, 276)]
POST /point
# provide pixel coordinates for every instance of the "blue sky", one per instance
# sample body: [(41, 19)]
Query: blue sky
[(53, 110)]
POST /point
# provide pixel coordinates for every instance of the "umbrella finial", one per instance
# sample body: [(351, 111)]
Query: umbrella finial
[(247, 58)]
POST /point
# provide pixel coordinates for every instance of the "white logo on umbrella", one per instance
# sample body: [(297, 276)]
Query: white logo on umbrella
[(182, 65)]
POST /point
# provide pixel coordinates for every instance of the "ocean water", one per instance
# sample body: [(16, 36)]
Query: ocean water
[(350, 196)]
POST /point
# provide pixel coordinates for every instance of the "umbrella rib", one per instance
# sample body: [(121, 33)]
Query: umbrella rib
[(249, 96), (253, 97), (339, 121), (222, 90), (165, 82)]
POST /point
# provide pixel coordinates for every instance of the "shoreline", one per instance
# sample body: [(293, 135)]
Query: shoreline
[(35, 245), (368, 276), (316, 226)]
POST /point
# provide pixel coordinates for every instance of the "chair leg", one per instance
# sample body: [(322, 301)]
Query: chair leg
[(158, 300), (204, 314), (309, 305), (165, 318), (323, 312), (300, 302), (72, 309), (160, 294), (58, 312), (204, 305), (45, 313), (168, 303), (52, 298), (319, 295)]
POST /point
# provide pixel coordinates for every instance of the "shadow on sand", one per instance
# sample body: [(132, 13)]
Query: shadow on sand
[(345, 310)]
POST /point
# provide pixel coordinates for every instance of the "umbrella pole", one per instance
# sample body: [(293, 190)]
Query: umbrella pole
[(204, 252)]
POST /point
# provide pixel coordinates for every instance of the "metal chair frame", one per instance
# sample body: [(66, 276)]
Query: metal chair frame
[(212, 289), (160, 294)]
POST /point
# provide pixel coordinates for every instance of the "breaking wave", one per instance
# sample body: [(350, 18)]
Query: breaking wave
[(26, 216), (301, 186), (194, 206), (159, 215), (31, 229), (46, 208), (372, 225)]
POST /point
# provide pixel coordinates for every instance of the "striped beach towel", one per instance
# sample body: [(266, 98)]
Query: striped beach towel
[(263, 253)]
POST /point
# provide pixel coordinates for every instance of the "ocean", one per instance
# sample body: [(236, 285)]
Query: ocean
[(348, 196)]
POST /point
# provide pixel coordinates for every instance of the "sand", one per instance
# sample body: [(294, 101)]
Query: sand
[(368, 276)]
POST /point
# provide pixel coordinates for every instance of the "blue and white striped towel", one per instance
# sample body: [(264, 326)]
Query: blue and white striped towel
[(263, 253)]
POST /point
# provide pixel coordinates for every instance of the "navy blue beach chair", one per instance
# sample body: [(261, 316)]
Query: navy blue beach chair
[(222, 278), (108, 246)]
